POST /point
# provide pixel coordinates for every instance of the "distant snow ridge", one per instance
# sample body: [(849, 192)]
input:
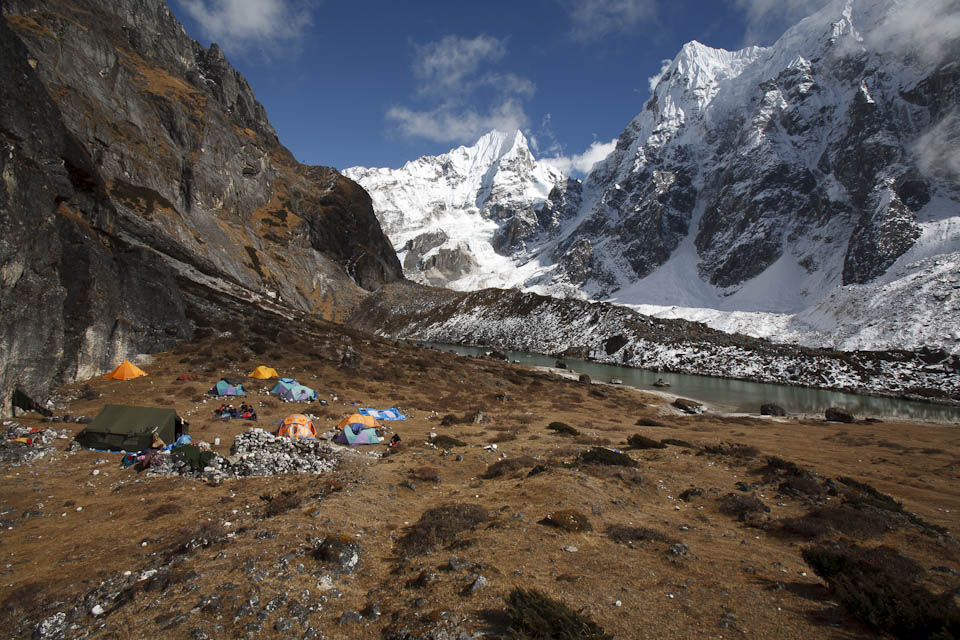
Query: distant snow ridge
[(460, 218), (799, 192)]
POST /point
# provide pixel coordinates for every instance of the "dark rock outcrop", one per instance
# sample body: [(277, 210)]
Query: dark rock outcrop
[(141, 177)]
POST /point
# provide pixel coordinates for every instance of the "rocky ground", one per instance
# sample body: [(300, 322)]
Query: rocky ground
[(498, 484)]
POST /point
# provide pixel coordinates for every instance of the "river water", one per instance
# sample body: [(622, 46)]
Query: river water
[(738, 396)]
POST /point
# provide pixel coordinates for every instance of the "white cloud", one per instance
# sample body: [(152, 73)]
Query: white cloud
[(938, 150), (238, 25), (927, 28), (455, 123), (654, 80), (582, 163), (463, 98), (766, 20), (594, 19)]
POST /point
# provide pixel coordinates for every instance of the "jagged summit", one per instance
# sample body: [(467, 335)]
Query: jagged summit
[(456, 218), (769, 180)]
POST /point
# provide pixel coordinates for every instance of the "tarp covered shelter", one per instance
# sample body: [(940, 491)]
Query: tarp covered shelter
[(263, 373), (128, 428), (224, 388), (297, 426), (126, 371), (291, 390), (358, 429)]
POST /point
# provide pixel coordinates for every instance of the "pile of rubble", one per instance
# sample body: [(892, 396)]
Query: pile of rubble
[(260, 453), (257, 453), (19, 444)]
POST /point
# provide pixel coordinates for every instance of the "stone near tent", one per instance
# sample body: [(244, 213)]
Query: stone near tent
[(835, 414), (770, 409), (689, 406)]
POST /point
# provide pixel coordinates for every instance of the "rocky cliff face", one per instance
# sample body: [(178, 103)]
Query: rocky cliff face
[(141, 174)]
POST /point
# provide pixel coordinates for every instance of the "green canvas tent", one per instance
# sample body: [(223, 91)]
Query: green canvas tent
[(126, 428)]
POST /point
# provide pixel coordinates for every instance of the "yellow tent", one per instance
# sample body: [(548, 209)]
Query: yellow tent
[(264, 372), (126, 371)]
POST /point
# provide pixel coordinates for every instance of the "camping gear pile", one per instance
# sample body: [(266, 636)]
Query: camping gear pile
[(227, 411), (20, 444), (289, 390)]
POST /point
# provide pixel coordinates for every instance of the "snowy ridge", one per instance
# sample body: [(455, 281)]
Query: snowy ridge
[(443, 213), (796, 192)]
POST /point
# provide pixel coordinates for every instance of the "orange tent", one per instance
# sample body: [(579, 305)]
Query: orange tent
[(297, 426), (368, 422), (126, 371)]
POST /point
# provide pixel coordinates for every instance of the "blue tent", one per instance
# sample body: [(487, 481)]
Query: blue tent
[(224, 388), (292, 391)]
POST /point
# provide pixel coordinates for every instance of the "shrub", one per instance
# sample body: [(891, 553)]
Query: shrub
[(741, 506), (281, 503), (638, 441), (825, 521), (880, 586), (800, 486), (649, 422), (622, 533), (536, 616), (678, 443), (425, 474), (441, 525), (446, 442), (508, 466), (600, 455), (563, 428), (733, 449), (568, 520)]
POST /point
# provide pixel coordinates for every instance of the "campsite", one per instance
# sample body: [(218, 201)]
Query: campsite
[(649, 522)]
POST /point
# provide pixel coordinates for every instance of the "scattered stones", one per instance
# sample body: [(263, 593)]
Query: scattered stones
[(340, 553), (350, 617), (689, 406), (479, 583)]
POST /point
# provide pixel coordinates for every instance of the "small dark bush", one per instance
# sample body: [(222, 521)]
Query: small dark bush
[(425, 474), (638, 441), (600, 455), (447, 442), (678, 443), (504, 437), (686, 494), (508, 466), (733, 449), (536, 616), (741, 506), (281, 503), (649, 422), (449, 419), (880, 586), (800, 486), (826, 521), (440, 525), (163, 510), (568, 520), (868, 496), (623, 534), (563, 428)]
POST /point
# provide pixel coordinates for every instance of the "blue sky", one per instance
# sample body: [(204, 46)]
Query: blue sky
[(377, 83)]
